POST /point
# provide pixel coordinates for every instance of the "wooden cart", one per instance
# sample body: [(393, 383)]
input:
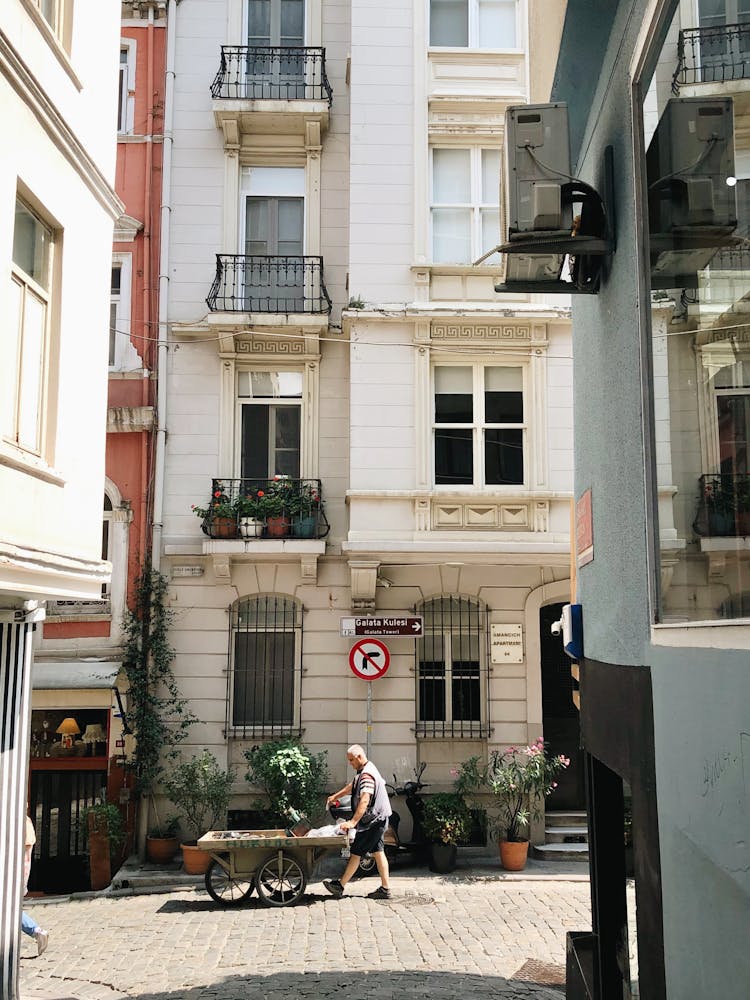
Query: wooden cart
[(271, 861)]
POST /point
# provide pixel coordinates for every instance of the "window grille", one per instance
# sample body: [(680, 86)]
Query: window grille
[(265, 656), (451, 670)]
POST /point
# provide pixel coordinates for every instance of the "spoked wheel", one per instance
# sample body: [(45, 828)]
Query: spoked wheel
[(280, 880), (366, 864), (227, 889)]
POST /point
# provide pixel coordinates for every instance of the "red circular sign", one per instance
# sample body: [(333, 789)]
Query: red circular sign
[(369, 659)]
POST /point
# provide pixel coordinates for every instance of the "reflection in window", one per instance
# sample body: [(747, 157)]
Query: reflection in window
[(476, 24), (699, 252)]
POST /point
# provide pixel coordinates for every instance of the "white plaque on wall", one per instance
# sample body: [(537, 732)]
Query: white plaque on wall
[(506, 643)]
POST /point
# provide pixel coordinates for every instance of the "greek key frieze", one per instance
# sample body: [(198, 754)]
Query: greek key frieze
[(487, 332)]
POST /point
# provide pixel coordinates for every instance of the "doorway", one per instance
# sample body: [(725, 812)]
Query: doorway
[(560, 717)]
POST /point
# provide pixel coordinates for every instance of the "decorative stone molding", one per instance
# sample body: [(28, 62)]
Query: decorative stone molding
[(309, 568), (278, 347), (364, 575), (222, 566), (126, 229), (498, 516), (127, 419), (488, 332)]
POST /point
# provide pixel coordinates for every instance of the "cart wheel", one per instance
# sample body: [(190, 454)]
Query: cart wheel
[(225, 888), (280, 880), (366, 864)]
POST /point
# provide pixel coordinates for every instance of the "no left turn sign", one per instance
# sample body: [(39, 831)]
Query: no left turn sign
[(369, 659)]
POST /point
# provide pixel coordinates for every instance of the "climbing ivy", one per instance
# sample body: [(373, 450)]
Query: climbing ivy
[(157, 715)]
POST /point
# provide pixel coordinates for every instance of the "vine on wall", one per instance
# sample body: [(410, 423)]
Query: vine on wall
[(156, 713)]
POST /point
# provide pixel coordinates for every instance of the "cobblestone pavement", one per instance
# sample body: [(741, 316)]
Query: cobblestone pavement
[(440, 937)]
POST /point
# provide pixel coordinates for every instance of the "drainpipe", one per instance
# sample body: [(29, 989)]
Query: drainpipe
[(161, 354), (148, 279), (161, 364)]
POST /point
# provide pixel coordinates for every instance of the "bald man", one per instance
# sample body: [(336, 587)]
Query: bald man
[(371, 809)]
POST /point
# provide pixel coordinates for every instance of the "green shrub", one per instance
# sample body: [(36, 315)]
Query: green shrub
[(291, 776), (446, 818), (200, 789)]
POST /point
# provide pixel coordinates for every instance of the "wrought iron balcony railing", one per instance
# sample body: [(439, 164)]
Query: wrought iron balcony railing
[(281, 507), (723, 505), (260, 284), (731, 259), (281, 73), (712, 55)]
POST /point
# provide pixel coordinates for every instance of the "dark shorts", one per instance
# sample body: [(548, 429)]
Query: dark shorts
[(369, 841)]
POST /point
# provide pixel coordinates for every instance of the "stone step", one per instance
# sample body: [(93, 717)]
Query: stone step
[(572, 818), (566, 834), (561, 852)]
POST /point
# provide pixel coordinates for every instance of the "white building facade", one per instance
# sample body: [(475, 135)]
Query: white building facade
[(58, 84), (339, 181)]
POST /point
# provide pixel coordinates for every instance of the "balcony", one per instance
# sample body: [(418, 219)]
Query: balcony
[(713, 61), (271, 90), (723, 506), (262, 285)]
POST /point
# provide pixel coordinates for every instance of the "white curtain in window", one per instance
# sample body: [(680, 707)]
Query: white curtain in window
[(452, 379), (502, 379), (497, 24)]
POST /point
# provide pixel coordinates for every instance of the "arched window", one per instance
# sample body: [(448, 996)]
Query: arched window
[(452, 670), (106, 540), (265, 666)]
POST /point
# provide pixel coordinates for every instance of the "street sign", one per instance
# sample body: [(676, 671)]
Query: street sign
[(369, 659), (384, 625)]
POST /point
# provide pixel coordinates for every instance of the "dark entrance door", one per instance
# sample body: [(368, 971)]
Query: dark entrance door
[(57, 801), (560, 717)]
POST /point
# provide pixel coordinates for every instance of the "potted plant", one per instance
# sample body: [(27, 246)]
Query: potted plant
[(220, 517), (446, 822), (276, 504), (105, 832), (161, 841), (304, 507), (200, 789), (717, 505), (291, 776), (249, 511), (517, 781)]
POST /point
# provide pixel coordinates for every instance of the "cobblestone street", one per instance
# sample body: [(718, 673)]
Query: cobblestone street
[(463, 935)]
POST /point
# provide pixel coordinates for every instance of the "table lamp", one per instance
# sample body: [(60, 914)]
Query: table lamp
[(67, 729), (93, 734)]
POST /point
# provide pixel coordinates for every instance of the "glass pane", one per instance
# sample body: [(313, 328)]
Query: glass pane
[(503, 395), (259, 22), (290, 225), (490, 176), (256, 227), (497, 24), (490, 233), (49, 12), (465, 694), (454, 401), (431, 678), (263, 678), (286, 441), (733, 413), (267, 613), (116, 279), (451, 613), (112, 332), (8, 400), (31, 244), (292, 22), (449, 22), (451, 177), (30, 387), (503, 457), (270, 385), (451, 236), (254, 462), (454, 462)]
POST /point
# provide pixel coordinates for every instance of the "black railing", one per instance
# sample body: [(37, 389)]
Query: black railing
[(281, 73), (731, 259), (712, 55), (261, 284), (265, 508), (723, 505)]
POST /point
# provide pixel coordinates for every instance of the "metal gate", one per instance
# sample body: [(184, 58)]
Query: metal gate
[(57, 803)]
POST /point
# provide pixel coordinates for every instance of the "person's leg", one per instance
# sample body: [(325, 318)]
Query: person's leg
[(351, 867), (28, 924), (381, 860)]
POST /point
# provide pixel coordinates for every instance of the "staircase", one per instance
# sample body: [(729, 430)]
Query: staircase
[(565, 838)]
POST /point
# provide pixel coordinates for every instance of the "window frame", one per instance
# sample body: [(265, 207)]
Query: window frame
[(264, 729), (242, 401), (125, 356), (479, 425), (450, 728), (473, 33), (476, 206), (127, 71)]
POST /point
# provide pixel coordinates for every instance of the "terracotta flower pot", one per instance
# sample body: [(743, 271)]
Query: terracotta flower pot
[(160, 850), (223, 527), (513, 854), (194, 860), (278, 527)]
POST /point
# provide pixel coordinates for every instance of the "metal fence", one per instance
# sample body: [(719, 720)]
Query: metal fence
[(712, 55), (285, 72), (268, 284)]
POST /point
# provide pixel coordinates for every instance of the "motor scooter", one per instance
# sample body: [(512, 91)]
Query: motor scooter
[(395, 848)]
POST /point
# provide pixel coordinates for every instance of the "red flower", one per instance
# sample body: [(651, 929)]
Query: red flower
[(261, 493)]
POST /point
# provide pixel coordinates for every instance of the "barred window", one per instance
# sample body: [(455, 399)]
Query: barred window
[(452, 669), (265, 666)]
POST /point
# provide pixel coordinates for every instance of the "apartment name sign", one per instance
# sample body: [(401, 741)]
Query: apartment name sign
[(506, 643)]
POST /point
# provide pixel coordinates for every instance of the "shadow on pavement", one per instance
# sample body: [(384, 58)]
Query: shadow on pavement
[(363, 986)]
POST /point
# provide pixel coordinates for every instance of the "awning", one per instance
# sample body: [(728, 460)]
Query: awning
[(74, 674)]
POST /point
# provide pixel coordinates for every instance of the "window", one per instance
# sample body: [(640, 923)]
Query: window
[(273, 233), (126, 91), (52, 12), (114, 311), (451, 669), (275, 22), (478, 425), (122, 96), (107, 520), (266, 650), (465, 204), (31, 279), (476, 24), (270, 412)]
